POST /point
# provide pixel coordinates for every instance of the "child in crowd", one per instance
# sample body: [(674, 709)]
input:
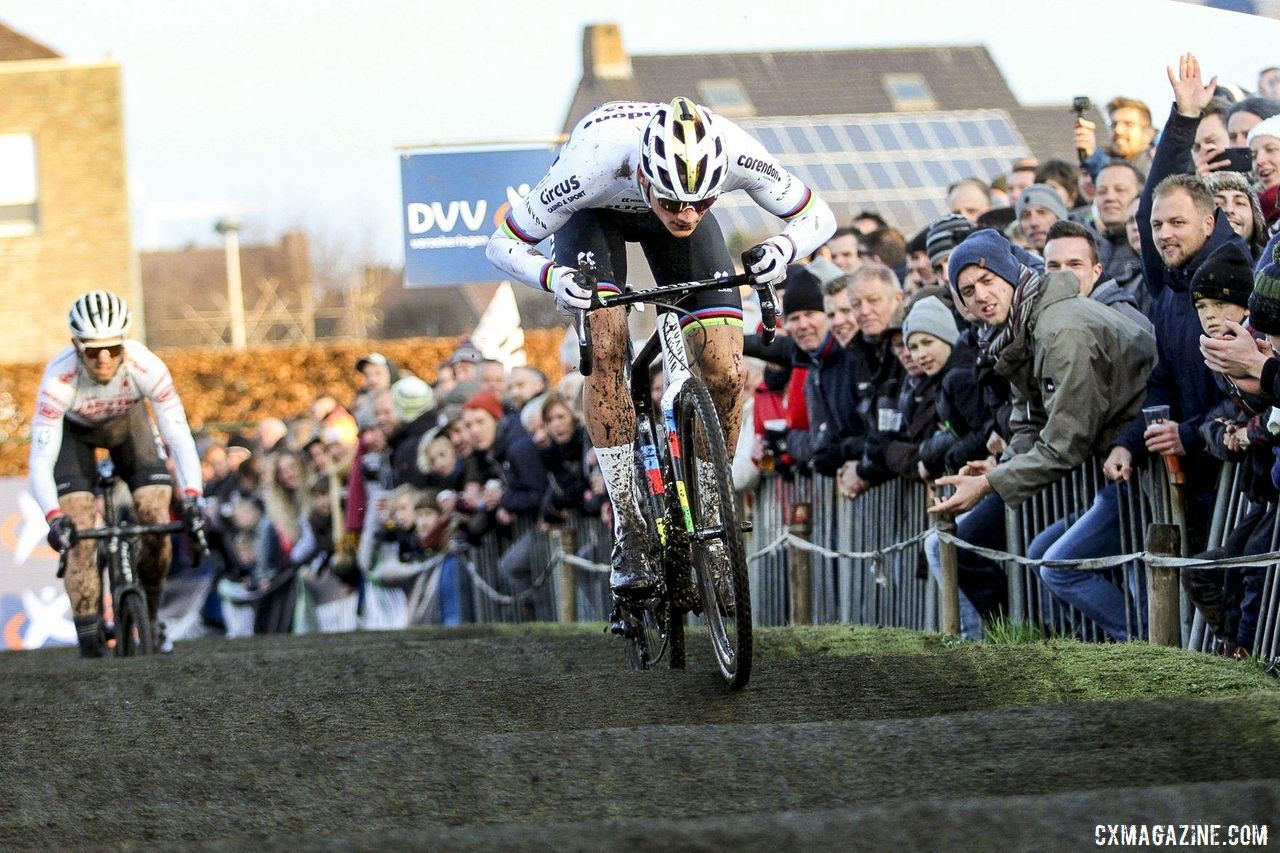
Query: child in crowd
[(439, 458), (1236, 431), (399, 559)]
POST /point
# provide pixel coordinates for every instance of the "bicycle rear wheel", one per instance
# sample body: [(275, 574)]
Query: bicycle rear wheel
[(719, 560), (133, 626)]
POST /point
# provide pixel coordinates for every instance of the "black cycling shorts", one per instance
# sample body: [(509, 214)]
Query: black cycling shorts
[(135, 449), (595, 241)]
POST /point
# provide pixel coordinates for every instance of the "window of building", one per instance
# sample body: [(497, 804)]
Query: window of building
[(908, 92), (19, 187), (726, 96)]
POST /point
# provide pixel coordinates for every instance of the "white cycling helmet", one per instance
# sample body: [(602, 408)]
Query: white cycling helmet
[(99, 316), (682, 153)]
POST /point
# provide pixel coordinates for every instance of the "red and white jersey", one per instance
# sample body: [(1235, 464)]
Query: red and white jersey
[(67, 390)]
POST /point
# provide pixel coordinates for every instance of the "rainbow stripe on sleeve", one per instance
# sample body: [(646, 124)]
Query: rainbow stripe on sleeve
[(801, 208), (514, 231)]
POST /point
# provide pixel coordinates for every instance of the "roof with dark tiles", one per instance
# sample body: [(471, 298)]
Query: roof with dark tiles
[(826, 82)]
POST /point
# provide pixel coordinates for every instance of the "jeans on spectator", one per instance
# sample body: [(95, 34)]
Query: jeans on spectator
[(450, 592), (983, 585), (1096, 533)]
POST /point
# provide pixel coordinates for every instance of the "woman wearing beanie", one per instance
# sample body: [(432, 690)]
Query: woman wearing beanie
[(1078, 371), (1239, 203)]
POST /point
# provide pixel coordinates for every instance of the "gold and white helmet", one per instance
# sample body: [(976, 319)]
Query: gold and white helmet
[(682, 154)]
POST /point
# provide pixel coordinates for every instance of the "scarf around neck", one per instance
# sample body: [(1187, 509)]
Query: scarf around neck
[(993, 339)]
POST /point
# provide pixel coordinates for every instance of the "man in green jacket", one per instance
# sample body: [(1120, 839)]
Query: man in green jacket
[(1078, 369)]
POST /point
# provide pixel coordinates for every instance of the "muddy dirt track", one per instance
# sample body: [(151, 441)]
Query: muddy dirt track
[(538, 738)]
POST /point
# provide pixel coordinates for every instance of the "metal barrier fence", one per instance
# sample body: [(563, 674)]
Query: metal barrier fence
[(816, 557)]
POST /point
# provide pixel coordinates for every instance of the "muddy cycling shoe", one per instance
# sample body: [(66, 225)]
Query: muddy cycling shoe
[(91, 637), (717, 559), (632, 573)]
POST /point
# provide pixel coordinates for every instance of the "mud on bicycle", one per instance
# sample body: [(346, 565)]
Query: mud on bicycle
[(694, 534), (130, 631)]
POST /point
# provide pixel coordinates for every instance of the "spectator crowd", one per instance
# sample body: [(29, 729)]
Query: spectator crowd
[(1119, 308)]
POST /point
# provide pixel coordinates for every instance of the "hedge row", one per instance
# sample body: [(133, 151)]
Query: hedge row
[(221, 386)]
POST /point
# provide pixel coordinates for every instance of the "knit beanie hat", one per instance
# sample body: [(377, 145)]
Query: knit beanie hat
[(1264, 302), (803, 292), (945, 233), (988, 249), (1226, 275), (1222, 181), (1266, 127), (1045, 196), (930, 316), (412, 398), (485, 402)]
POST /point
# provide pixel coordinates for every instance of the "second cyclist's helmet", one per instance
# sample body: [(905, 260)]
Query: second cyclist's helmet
[(682, 153), (99, 316)]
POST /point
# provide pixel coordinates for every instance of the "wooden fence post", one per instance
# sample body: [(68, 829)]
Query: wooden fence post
[(567, 574), (801, 566), (1162, 587), (949, 591)]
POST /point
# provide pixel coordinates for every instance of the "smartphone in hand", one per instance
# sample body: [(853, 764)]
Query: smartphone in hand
[(1241, 160)]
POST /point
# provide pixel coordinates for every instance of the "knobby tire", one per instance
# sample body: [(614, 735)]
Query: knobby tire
[(728, 622)]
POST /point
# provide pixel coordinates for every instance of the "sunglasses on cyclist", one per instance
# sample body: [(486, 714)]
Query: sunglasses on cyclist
[(93, 353), (673, 206)]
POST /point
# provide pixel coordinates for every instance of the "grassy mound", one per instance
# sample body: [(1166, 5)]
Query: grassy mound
[(539, 736)]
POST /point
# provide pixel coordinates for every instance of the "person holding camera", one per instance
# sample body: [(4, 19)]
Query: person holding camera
[(1132, 135)]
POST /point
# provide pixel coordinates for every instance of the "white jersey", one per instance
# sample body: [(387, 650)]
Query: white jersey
[(67, 390), (598, 168)]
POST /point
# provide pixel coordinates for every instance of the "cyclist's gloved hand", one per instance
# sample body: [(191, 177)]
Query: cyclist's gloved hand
[(768, 261), (572, 288), (193, 513), (61, 531)]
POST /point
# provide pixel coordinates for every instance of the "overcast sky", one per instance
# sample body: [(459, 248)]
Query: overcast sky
[(289, 111)]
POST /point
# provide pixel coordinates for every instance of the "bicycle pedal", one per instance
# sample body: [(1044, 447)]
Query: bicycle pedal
[(746, 526)]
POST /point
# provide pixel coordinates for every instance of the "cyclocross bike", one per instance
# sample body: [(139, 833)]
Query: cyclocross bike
[(117, 546), (694, 534)]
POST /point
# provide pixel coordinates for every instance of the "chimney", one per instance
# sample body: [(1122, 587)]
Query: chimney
[(603, 56)]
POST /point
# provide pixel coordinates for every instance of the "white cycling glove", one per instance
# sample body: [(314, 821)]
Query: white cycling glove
[(572, 290), (767, 262)]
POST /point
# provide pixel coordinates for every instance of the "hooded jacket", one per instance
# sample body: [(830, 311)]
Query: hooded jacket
[(1078, 371)]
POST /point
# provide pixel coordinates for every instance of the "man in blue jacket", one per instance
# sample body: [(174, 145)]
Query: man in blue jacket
[(1186, 228)]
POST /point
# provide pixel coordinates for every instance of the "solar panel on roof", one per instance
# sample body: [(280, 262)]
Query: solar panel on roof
[(900, 165)]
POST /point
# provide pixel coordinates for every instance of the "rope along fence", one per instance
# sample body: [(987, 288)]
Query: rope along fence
[(815, 557)]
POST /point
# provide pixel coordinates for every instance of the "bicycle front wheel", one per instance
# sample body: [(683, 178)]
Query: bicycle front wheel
[(133, 625), (719, 560)]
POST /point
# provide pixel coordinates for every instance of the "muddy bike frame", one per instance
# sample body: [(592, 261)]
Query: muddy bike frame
[(131, 623), (651, 625)]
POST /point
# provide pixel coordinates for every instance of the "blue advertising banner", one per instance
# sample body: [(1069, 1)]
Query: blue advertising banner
[(453, 200)]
